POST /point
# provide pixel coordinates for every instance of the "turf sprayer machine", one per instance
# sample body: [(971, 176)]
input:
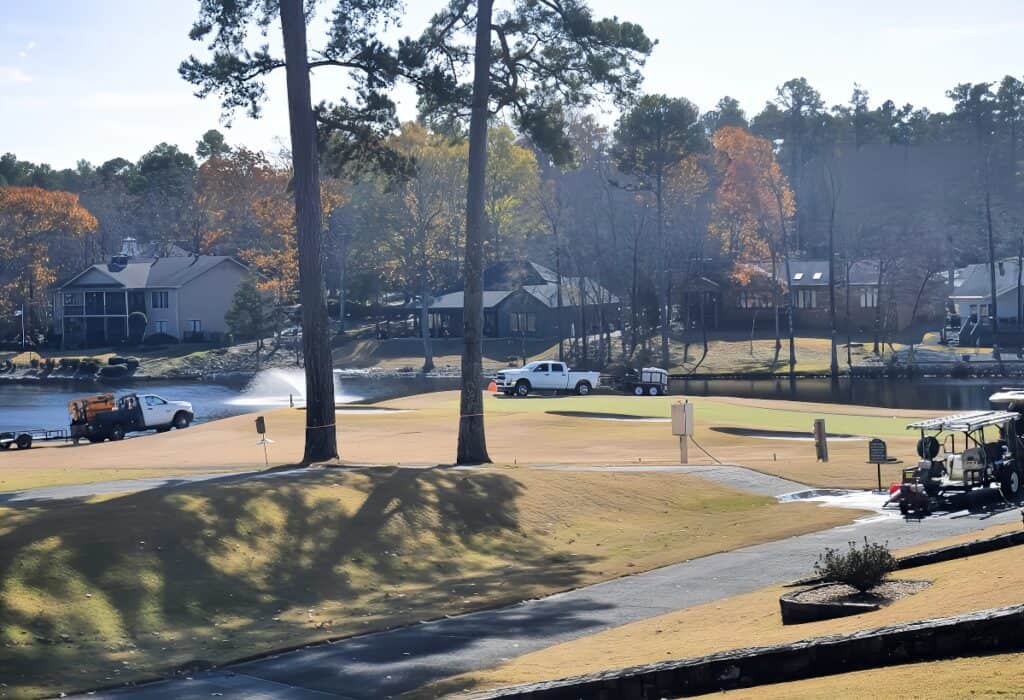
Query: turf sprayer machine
[(967, 451)]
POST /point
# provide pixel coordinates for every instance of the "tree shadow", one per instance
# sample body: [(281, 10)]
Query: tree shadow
[(147, 583)]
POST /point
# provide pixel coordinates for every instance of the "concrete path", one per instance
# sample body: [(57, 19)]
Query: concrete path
[(386, 664)]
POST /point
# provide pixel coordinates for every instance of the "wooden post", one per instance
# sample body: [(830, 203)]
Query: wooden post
[(820, 439)]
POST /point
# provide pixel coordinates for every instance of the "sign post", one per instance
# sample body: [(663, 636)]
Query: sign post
[(261, 430), (820, 439), (878, 454), (682, 425)]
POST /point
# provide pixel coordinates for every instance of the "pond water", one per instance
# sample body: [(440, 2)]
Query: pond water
[(933, 393), (45, 405)]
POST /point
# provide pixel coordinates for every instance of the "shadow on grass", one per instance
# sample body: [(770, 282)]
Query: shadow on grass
[(138, 585)]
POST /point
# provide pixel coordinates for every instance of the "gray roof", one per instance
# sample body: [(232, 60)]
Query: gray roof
[(973, 282), (154, 273), (814, 273), (546, 294)]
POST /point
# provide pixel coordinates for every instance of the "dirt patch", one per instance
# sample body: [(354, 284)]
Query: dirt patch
[(780, 434), (887, 592)]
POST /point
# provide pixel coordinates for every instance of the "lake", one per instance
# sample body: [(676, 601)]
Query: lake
[(28, 405)]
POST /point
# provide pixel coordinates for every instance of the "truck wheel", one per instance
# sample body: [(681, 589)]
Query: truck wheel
[(181, 420), (522, 388), (1010, 484), (583, 388), (94, 439), (24, 441), (116, 432), (638, 390), (653, 391), (5, 445)]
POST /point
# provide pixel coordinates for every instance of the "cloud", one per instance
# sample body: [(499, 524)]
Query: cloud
[(10, 75)]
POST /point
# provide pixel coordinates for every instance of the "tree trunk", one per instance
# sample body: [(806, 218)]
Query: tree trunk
[(472, 447), (664, 294), (1020, 274), (849, 332), (321, 435), (558, 300), (634, 316), (775, 303), (428, 348), (878, 307), (834, 359), (994, 308)]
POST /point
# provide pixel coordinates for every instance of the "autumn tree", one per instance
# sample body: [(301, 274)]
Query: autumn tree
[(581, 58), (36, 223), (511, 181)]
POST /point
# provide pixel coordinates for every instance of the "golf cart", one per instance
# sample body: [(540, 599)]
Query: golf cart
[(961, 452)]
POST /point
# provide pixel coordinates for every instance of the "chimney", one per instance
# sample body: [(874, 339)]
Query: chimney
[(129, 248)]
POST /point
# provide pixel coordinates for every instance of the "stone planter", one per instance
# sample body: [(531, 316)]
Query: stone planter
[(796, 611)]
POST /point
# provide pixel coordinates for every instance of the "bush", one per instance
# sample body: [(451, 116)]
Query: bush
[(161, 339), (862, 568), (132, 363), (116, 360), (114, 371)]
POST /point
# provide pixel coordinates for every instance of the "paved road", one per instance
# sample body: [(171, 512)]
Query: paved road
[(386, 664)]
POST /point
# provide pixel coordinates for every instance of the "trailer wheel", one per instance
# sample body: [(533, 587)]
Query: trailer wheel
[(654, 391), (24, 441), (116, 432), (638, 390), (583, 388), (1010, 484), (522, 388)]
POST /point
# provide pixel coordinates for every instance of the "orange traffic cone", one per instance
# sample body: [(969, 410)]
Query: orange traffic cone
[(493, 386)]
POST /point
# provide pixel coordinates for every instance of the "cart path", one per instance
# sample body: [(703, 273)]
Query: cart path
[(386, 664)]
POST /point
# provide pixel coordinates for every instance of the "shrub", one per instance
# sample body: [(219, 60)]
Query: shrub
[(132, 363), (116, 360), (862, 568), (113, 371)]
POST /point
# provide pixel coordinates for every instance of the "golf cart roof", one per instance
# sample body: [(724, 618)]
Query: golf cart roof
[(1008, 395), (965, 422)]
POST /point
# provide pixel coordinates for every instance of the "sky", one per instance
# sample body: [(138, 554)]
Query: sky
[(97, 79)]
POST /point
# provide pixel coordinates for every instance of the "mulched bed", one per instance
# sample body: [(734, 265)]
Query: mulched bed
[(883, 594)]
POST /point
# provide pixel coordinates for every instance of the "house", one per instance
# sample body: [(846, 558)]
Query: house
[(970, 304), (521, 298), (857, 295), (184, 296)]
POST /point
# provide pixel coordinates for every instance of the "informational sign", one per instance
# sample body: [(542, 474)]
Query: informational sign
[(261, 425), (878, 452), (682, 418)]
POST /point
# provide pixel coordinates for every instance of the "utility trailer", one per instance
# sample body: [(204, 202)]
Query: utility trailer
[(23, 439), (649, 381), (962, 452)]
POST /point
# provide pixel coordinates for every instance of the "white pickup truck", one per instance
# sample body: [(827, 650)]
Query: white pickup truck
[(545, 376)]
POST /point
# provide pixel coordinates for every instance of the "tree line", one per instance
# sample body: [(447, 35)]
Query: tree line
[(666, 196)]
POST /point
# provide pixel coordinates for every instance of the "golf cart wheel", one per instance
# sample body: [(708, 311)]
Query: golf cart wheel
[(523, 388), (653, 391), (24, 441), (181, 420), (116, 432), (638, 390), (583, 388), (1010, 484), (904, 508)]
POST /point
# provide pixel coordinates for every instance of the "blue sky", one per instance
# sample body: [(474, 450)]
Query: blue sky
[(96, 79)]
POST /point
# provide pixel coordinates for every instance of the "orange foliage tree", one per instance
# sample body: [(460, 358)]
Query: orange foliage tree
[(36, 226), (754, 207)]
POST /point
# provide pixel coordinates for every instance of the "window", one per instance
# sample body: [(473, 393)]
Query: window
[(195, 326), (753, 300), (161, 300), (817, 276), (558, 367), (116, 304), (155, 401), (806, 299), (71, 299), (798, 275), (522, 322), (94, 303), (160, 326), (542, 367), (868, 297)]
